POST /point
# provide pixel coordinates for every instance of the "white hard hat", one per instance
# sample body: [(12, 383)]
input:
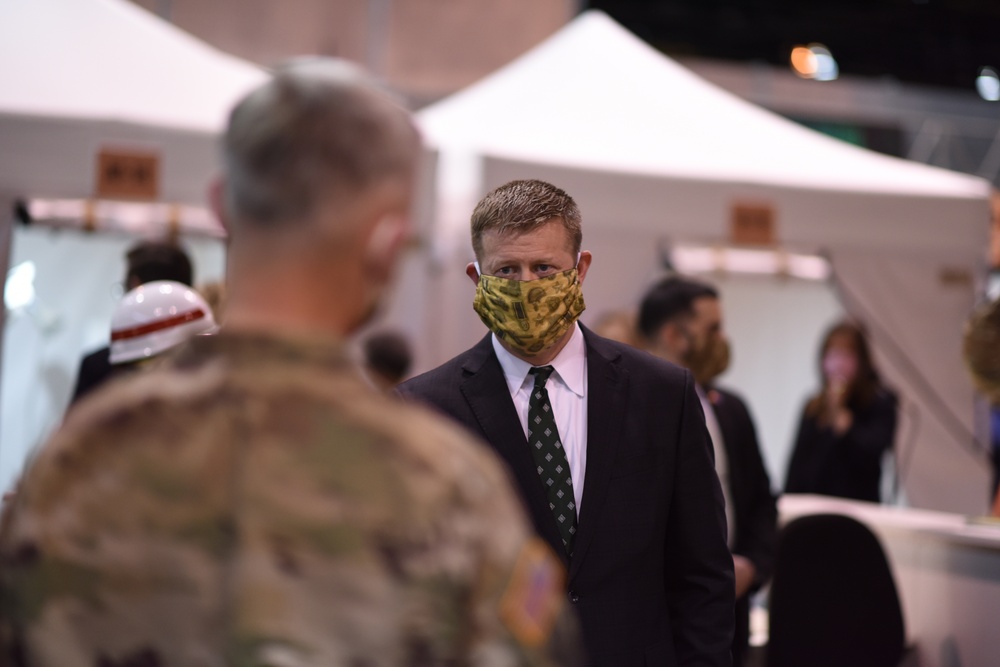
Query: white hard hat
[(155, 317)]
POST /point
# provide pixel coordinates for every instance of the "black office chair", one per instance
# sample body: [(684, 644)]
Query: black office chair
[(833, 602)]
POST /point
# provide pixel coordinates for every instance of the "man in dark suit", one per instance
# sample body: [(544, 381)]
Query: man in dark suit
[(681, 321), (607, 444)]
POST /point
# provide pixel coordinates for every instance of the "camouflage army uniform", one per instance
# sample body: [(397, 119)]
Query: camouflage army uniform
[(252, 502)]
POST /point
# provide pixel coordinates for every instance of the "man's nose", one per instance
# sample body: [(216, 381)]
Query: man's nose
[(528, 274)]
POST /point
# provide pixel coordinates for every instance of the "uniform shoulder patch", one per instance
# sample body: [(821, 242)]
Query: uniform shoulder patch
[(534, 595)]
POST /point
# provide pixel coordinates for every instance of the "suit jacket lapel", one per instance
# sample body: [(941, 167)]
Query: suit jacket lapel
[(485, 389), (607, 386)]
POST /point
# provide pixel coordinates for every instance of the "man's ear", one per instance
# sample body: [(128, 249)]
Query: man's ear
[(674, 338), (217, 201), (584, 264), (470, 270), (669, 341), (385, 242)]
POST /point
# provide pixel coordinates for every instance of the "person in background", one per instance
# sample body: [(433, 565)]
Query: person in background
[(153, 318), (145, 262), (848, 426), (387, 359), (607, 444), (681, 321), (251, 500)]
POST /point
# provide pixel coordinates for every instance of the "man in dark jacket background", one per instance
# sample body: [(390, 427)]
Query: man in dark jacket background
[(681, 321), (147, 261)]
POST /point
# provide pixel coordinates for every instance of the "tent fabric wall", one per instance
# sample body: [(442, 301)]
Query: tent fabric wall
[(812, 219), (112, 60), (80, 75), (55, 158), (655, 155)]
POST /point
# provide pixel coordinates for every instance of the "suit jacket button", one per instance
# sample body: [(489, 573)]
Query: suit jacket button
[(573, 597)]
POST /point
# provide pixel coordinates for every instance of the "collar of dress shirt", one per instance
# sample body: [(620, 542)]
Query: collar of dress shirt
[(570, 364)]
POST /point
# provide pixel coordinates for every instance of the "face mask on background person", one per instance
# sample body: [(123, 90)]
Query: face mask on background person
[(529, 315), (709, 361), (839, 366)]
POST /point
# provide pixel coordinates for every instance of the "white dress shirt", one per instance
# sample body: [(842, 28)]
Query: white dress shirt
[(567, 388), (721, 458)]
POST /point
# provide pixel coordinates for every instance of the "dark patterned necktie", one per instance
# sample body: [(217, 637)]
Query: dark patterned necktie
[(550, 457)]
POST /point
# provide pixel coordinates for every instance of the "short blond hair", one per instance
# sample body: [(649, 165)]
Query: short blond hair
[(520, 206)]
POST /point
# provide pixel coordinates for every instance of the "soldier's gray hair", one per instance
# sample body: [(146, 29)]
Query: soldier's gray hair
[(319, 132)]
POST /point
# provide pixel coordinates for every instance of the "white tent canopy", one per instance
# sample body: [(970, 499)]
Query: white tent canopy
[(594, 97), (80, 75), (654, 154)]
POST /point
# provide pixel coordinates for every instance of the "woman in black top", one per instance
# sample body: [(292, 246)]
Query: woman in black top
[(847, 427)]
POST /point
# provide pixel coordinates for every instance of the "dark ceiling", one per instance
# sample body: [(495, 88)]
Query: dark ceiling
[(933, 42)]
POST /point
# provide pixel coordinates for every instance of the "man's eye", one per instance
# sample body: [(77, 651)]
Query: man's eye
[(504, 271), (544, 268)]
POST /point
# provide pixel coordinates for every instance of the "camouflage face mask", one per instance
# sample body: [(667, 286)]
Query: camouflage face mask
[(529, 315), (709, 361)]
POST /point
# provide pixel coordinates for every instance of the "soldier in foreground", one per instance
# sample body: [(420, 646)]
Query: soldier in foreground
[(252, 501)]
